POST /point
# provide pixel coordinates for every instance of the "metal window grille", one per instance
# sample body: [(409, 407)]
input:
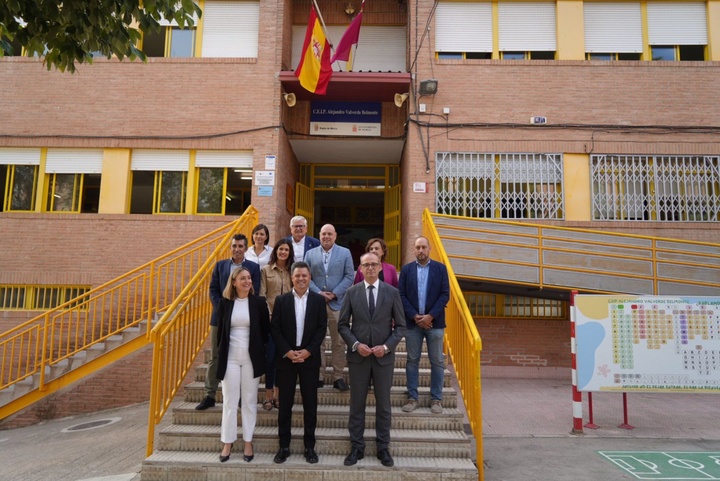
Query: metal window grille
[(655, 188), (508, 186), (485, 305)]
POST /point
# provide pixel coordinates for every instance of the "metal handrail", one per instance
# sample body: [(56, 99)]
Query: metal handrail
[(654, 251), (462, 342), (33, 347), (180, 333)]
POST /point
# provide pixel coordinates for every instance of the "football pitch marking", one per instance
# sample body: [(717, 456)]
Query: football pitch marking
[(661, 465)]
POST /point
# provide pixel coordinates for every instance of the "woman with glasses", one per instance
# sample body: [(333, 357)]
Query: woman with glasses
[(388, 274)]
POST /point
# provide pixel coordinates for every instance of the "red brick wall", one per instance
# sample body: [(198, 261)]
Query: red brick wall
[(525, 342)]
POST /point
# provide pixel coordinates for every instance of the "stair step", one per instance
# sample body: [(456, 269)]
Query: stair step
[(409, 442), (399, 377), (329, 417), (205, 466), (195, 392)]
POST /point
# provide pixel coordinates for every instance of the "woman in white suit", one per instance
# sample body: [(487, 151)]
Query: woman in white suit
[(243, 329)]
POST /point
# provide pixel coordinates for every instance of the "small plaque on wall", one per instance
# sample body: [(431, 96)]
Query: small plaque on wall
[(420, 187)]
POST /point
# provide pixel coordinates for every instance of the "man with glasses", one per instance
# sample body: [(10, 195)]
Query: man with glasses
[(332, 271), (425, 291), (371, 306), (298, 236)]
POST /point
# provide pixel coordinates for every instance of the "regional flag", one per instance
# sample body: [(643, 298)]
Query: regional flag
[(349, 38), (314, 69)]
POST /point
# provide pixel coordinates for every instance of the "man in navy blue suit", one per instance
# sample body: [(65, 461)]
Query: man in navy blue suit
[(425, 291), (219, 279), (301, 241)]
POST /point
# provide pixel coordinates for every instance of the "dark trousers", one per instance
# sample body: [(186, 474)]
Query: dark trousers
[(285, 380), (360, 375)]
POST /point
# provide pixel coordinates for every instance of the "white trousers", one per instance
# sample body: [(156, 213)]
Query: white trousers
[(239, 380)]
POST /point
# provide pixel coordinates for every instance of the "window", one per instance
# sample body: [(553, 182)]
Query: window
[(613, 56), (230, 29), (677, 31), (159, 181), (659, 188), (19, 178), (613, 31), (170, 41), (508, 186), (73, 180), (39, 297), (486, 305), (525, 29), (463, 27), (224, 181)]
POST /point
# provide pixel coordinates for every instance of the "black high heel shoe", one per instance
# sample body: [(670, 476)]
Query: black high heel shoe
[(225, 458), (249, 457)]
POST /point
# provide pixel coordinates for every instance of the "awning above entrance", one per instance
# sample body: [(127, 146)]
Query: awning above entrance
[(352, 86)]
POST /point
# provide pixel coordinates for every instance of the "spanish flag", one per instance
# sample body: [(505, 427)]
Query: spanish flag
[(314, 69)]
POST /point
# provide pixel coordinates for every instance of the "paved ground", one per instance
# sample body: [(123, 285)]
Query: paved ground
[(527, 436)]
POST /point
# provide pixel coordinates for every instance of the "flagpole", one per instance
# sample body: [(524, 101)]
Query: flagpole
[(322, 22)]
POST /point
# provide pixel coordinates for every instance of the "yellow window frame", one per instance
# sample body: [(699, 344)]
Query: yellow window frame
[(158, 191), (10, 185), (18, 297), (53, 194)]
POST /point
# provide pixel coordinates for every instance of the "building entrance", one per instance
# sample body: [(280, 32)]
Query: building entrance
[(361, 201)]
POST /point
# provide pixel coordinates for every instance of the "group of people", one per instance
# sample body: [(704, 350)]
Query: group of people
[(272, 308)]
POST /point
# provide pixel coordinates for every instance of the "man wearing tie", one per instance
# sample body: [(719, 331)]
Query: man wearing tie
[(366, 326), (299, 322)]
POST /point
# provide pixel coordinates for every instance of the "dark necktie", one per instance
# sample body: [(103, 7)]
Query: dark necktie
[(371, 300)]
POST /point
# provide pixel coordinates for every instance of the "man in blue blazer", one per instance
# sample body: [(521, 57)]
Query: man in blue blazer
[(332, 272), (218, 281), (425, 291), (302, 242)]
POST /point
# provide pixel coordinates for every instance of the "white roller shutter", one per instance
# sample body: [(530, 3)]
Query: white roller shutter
[(70, 161), (230, 29), (380, 49), (166, 160), (19, 156), (613, 28), (526, 26), (677, 23), (234, 159), (463, 27)]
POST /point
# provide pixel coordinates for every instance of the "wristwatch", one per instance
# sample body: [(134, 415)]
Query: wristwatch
[(387, 349)]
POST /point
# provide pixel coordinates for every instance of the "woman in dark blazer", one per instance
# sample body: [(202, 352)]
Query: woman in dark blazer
[(243, 328)]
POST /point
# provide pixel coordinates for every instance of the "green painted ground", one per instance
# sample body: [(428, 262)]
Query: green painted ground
[(658, 465)]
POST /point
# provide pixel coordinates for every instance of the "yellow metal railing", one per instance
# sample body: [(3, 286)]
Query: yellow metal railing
[(181, 332), (462, 342), (571, 258), (136, 298)]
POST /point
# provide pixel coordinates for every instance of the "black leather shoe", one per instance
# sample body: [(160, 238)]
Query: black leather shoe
[(281, 456), (354, 456), (207, 402), (311, 456), (225, 458), (249, 457), (340, 385), (321, 383), (384, 456)]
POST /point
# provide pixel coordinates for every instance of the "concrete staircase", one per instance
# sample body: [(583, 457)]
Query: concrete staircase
[(424, 446), (72, 363)]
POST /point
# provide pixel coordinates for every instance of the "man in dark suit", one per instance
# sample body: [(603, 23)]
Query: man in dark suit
[(298, 236), (220, 275), (366, 326), (298, 325), (425, 291)]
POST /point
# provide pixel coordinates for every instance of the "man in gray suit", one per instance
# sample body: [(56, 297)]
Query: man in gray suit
[(366, 325), (332, 272)]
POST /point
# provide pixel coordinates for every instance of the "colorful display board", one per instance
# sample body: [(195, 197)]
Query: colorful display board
[(647, 343)]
